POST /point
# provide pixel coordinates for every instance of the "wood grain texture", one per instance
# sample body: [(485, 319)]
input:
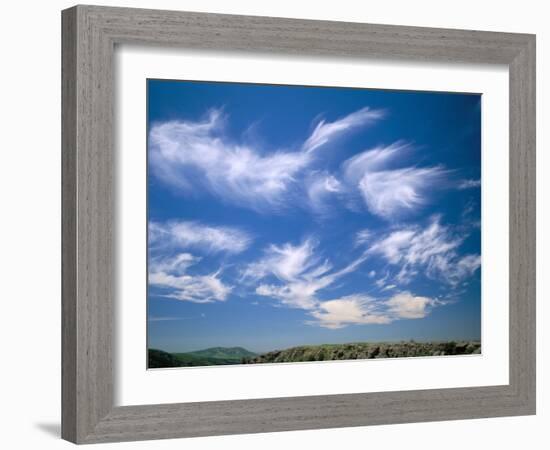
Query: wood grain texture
[(89, 37), (68, 226)]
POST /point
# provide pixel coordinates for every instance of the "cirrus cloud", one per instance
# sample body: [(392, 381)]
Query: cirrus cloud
[(327, 131), (190, 234), (468, 184), (391, 192), (171, 277), (300, 276), (433, 250), (190, 156), (194, 157)]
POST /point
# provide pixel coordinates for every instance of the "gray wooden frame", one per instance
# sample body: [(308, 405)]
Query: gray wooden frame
[(89, 36)]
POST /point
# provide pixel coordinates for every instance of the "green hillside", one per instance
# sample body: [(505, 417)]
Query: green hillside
[(364, 350), (330, 352), (158, 359), (209, 357), (224, 353)]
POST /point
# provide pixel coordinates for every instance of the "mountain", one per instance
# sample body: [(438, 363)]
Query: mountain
[(208, 357), (224, 353), (216, 356), (364, 350)]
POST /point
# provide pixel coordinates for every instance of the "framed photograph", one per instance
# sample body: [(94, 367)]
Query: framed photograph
[(277, 224)]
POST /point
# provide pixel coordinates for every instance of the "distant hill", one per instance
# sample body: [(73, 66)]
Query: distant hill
[(224, 353), (209, 357), (364, 350), (329, 352)]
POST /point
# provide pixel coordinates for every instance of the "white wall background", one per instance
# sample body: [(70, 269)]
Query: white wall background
[(31, 207)]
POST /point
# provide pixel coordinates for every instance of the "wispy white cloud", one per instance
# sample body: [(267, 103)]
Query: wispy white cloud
[(299, 271), (301, 275), (189, 234), (197, 155), (171, 276), (327, 131), (363, 236), (389, 192), (173, 318), (454, 269), (381, 282), (169, 266), (432, 249), (469, 184), (177, 264), (374, 160), (287, 262), (319, 186), (191, 156)]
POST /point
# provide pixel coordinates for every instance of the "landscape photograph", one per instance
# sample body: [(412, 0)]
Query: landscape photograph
[(296, 224)]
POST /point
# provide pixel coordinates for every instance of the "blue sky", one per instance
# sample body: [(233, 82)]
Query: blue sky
[(288, 215)]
